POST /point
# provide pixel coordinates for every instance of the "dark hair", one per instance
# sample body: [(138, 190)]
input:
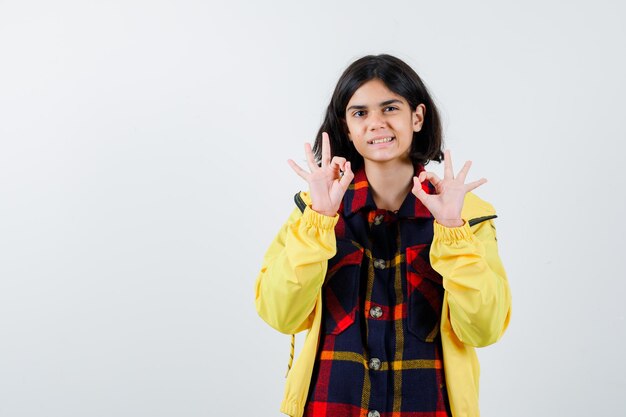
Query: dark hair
[(399, 78)]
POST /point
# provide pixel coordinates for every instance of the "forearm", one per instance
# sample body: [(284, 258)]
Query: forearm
[(475, 281), (293, 270)]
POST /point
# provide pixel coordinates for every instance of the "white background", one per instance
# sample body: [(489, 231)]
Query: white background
[(143, 174)]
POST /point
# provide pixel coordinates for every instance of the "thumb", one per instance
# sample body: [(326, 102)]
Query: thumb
[(418, 191), (347, 177)]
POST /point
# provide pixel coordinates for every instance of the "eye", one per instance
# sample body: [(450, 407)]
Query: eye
[(359, 113), (391, 108)]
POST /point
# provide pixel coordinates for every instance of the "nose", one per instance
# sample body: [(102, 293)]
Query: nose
[(377, 121)]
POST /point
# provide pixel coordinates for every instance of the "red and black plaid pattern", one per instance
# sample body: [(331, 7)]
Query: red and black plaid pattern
[(380, 350)]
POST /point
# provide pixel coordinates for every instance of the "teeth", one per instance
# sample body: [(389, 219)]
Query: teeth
[(382, 140)]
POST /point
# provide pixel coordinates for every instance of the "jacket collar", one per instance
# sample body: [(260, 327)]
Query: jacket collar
[(359, 197)]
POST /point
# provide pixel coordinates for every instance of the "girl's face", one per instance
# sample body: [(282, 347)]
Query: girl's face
[(381, 123)]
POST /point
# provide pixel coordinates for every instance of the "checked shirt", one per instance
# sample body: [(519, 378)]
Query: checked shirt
[(380, 351)]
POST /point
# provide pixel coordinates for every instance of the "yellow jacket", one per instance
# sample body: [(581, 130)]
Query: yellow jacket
[(476, 303)]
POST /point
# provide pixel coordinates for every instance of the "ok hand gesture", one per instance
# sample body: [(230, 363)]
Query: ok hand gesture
[(326, 184), (447, 204)]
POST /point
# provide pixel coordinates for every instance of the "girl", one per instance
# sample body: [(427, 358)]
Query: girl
[(393, 271)]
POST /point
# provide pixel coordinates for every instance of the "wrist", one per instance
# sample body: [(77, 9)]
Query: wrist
[(451, 222), (324, 211), (319, 220)]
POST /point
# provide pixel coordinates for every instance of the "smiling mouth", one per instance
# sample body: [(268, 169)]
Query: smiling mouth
[(383, 140)]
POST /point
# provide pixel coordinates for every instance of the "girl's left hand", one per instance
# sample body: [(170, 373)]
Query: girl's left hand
[(447, 204)]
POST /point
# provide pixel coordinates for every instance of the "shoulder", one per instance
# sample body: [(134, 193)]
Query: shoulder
[(474, 207)]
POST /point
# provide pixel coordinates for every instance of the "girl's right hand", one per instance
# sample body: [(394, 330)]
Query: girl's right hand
[(326, 184)]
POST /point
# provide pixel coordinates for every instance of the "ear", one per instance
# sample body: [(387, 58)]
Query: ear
[(418, 117)]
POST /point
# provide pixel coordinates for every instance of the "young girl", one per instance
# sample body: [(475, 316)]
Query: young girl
[(393, 271)]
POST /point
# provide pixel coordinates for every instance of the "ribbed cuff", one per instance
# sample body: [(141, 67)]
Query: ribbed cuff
[(314, 219), (452, 234)]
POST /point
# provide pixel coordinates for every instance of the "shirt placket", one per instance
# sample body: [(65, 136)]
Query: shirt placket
[(380, 271)]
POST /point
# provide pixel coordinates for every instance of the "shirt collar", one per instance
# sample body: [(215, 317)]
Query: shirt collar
[(359, 197)]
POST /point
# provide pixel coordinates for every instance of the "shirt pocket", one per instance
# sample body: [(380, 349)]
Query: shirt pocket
[(341, 288), (424, 294)]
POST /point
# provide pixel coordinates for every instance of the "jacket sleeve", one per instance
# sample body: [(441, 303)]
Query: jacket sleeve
[(478, 294), (293, 270)]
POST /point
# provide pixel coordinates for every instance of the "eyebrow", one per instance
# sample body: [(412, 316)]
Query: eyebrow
[(383, 104)]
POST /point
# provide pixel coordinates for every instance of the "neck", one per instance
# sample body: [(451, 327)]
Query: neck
[(389, 183)]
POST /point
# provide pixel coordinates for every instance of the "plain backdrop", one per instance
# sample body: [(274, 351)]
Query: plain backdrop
[(143, 174)]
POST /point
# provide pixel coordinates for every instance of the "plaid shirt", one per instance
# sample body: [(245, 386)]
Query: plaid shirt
[(380, 351)]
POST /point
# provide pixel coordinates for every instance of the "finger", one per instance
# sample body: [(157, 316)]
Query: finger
[(302, 173), (338, 161), (475, 184), (463, 172), (325, 149), (448, 172), (310, 158), (430, 176)]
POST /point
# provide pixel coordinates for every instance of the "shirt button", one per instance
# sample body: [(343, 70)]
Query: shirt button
[(375, 364), (376, 312), (378, 219), (379, 264), (373, 413)]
